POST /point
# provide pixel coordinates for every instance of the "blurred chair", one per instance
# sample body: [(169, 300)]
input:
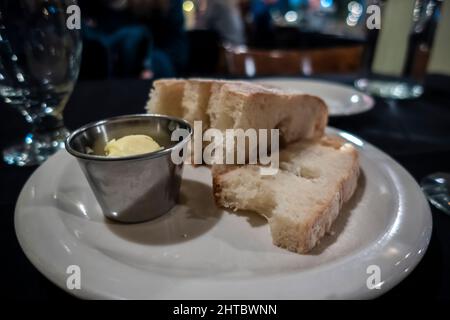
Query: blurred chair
[(243, 61)]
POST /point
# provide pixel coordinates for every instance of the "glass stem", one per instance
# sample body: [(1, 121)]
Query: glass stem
[(47, 133), (47, 124)]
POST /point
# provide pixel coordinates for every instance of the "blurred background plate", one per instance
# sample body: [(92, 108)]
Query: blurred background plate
[(342, 100)]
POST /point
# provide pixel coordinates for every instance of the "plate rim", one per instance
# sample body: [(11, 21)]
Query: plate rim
[(369, 100), (95, 293)]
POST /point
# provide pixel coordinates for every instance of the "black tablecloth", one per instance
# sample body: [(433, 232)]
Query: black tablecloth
[(415, 133)]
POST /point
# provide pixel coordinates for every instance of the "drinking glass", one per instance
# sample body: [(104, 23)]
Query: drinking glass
[(396, 55), (39, 63), (436, 187)]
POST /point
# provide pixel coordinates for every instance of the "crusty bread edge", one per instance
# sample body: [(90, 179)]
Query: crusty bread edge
[(302, 241), (321, 221)]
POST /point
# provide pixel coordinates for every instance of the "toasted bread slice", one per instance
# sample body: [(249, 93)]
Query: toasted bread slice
[(186, 98), (166, 97), (225, 105), (303, 199), (247, 105), (196, 95)]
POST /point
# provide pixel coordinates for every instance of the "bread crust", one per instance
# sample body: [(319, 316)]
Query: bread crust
[(297, 115), (320, 222), (307, 124), (288, 234)]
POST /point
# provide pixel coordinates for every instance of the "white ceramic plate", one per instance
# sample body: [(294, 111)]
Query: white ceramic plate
[(342, 100), (198, 251)]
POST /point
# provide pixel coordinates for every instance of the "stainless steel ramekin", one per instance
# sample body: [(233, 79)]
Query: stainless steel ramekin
[(135, 188)]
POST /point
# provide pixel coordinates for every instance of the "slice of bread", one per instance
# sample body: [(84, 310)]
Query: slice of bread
[(225, 104), (196, 96), (190, 100), (303, 199), (248, 105), (166, 97), (186, 98)]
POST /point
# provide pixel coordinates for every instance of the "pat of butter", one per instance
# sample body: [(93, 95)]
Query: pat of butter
[(131, 145)]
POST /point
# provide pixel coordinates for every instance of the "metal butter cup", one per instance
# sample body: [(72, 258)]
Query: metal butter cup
[(135, 188)]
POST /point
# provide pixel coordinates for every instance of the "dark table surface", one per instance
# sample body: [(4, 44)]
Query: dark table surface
[(415, 133)]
